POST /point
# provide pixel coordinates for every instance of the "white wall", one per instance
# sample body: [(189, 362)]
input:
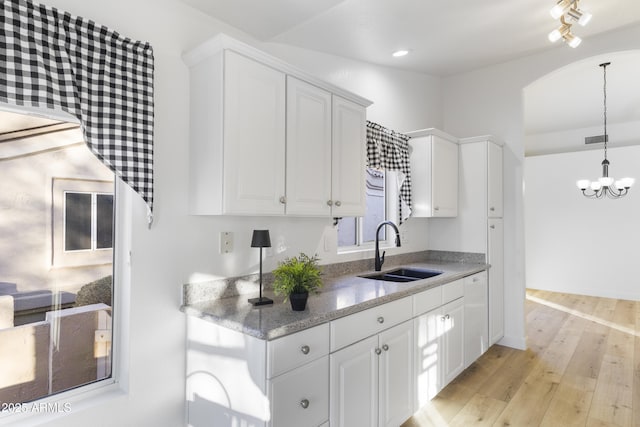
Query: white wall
[(181, 248), (593, 242), (489, 101)]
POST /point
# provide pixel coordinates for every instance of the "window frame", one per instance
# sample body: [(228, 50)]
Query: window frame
[(60, 257), (94, 221)]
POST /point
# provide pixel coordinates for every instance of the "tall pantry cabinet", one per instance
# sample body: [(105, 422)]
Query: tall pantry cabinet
[(482, 200), (478, 228)]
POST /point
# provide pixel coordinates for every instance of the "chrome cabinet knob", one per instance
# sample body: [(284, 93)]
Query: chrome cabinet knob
[(380, 319), (283, 200), (385, 347), (329, 202), (304, 403), (492, 209), (305, 349), (338, 203), (492, 227), (436, 208), (378, 351)]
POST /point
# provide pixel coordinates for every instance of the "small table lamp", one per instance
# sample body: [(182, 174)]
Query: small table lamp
[(260, 240)]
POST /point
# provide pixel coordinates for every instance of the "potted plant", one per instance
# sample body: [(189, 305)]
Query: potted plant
[(295, 277)]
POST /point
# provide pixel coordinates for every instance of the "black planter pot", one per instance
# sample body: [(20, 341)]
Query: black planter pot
[(298, 301)]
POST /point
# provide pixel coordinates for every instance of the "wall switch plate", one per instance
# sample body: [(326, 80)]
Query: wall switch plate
[(226, 242)]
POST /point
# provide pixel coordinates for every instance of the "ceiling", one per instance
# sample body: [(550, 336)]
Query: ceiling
[(444, 37), (447, 37)]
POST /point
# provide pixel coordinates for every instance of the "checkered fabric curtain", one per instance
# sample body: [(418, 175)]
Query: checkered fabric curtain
[(51, 59), (389, 150)]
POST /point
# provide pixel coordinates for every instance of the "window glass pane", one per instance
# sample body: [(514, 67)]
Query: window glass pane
[(104, 221), (375, 206), (77, 221), (375, 213), (347, 232), (55, 290)]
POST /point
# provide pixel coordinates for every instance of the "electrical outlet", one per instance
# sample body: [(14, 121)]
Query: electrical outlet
[(226, 242)]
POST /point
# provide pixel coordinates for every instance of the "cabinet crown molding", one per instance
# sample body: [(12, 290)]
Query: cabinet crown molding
[(482, 138), (432, 131), (222, 42)]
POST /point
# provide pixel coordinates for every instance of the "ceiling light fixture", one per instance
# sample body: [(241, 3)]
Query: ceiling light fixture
[(399, 53), (605, 185), (568, 10)]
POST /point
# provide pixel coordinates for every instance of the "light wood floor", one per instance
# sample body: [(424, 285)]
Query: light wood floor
[(581, 368)]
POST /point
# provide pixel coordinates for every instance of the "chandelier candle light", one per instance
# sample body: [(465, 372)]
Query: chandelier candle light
[(605, 185)]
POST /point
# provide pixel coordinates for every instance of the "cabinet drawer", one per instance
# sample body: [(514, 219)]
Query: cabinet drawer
[(349, 329), (301, 397), (295, 350), (453, 290), (427, 300)]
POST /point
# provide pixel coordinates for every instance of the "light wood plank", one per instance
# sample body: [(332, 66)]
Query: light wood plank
[(581, 368)]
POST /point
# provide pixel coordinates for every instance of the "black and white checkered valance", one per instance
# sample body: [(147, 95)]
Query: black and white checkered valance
[(389, 150), (50, 59)]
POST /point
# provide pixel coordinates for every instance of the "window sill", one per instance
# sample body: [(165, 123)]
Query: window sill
[(62, 404)]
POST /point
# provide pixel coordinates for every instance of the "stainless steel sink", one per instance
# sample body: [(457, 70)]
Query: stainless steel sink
[(403, 275)]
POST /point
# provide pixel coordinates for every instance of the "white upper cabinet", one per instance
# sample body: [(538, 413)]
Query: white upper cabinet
[(494, 180), (434, 173), (348, 159), (254, 143), (308, 149), (267, 139)]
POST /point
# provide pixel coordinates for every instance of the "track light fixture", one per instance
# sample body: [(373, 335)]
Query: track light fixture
[(569, 13)]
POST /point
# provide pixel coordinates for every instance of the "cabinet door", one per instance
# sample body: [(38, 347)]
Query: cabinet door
[(444, 177), (494, 190), (254, 137), (428, 356), (348, 158), (308, 149), (476, 318), (496, 279), (354, 385), (453, 340), (396, 375)]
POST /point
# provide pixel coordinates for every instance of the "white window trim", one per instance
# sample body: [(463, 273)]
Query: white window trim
[(391, 214), (88, 396), (60, 257)]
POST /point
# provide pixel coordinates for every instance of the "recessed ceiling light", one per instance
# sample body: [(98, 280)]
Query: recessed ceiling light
[(399, 53)]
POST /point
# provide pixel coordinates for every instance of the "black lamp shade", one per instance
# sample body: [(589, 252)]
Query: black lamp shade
[(260, 239)]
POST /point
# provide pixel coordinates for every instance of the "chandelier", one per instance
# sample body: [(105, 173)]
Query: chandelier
[(563, 10), (605, 185)]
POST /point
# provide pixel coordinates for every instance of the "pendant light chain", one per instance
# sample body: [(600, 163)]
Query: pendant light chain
[(604, 67)]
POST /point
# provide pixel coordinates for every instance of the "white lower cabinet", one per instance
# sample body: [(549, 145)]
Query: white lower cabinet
[(373, 368), (372, 380), (453, 340), (439, 339), (301, 396), (476, 319)]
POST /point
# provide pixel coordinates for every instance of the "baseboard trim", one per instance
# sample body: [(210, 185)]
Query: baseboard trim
[(519, 343)]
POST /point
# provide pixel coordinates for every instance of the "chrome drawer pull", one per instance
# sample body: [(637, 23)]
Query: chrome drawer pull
[(378, 351), (304, 403), (385, 347), (305, 349), (380, 319)]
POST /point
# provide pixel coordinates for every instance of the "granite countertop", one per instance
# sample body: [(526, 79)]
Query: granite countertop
[(340, 296)]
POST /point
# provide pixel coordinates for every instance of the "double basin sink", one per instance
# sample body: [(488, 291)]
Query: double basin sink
[(403, 275)]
